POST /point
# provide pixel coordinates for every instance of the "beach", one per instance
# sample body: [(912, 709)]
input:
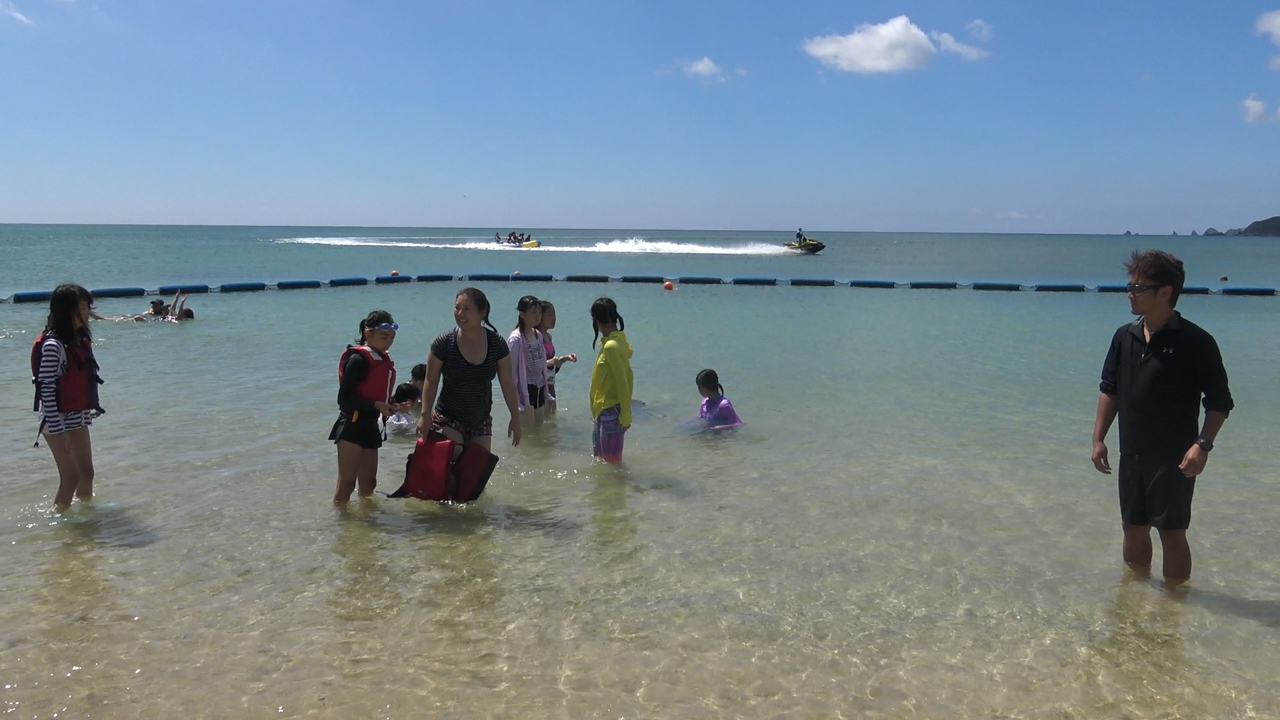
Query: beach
[(908, 525)]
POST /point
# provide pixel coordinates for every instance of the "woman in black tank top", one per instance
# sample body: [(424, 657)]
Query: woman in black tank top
[(467, 358)]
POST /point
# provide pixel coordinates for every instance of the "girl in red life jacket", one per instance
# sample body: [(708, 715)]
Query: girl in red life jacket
[(366, 380), (66, 378)]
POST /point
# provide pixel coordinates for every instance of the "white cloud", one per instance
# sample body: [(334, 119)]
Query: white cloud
[(980, 30), (7, 8), (1015, 215), (889, 47), (950, 44), (1255, 111), (1269, 24), (705, 70)]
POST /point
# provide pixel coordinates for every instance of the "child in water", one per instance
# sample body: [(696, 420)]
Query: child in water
[(529, 361), (403, 422), (366, 375), (716, 411), (611, 382), (554, 362)]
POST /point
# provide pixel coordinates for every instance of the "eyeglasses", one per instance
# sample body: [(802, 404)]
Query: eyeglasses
[(1138, 288), (387, 326)]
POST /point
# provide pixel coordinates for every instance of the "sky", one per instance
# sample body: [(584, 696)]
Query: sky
[(1056, 116)]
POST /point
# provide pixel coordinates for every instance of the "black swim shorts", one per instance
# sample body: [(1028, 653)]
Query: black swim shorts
[(365, 433), (537, 396), (1154, 493)]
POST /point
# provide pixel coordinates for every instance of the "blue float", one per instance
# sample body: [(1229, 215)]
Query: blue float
[(1112, 289), (119, 292), (754, 281), (242, 287), (185, 289), (33, 296), (880, 284), (656, 279), (1195, 290), (699, 280), (532, 278), (298, 284), (488, 277), (998, 286), (1058, 288), (587, 278), (932, 285), (392, 279), (435, 278), (812, 282), (1249, 291), (348, 282)]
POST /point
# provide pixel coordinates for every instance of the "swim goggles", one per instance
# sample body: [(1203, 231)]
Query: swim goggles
[(387, 326)]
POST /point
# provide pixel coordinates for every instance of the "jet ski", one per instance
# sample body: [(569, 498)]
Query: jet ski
[(807, 245)]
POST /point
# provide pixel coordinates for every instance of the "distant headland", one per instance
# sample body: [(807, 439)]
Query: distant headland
[(1261, 228)]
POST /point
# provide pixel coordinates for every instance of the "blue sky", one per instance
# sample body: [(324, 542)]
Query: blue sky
[(1081, 116)]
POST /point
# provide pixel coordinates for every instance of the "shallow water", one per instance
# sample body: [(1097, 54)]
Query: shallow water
[(908, 525)]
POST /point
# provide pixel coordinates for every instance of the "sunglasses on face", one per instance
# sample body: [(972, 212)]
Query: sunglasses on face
[(1138, 288)]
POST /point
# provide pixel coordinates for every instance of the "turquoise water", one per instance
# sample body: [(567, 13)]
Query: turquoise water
[(908, 526)]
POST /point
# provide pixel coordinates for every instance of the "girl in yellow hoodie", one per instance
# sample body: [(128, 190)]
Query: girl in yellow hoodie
[(611, 382)]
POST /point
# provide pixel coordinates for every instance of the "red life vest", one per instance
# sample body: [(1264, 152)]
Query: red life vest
[(432, 474), (380, 383), (77, 388)]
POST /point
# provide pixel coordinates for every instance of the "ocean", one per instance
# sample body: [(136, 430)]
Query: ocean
[(907, 526)]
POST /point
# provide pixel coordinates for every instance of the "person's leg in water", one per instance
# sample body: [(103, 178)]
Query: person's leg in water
[(350, 457), (65, 447), (1177, 556), (607, 436), (1137, 548), (367, 477), (83, 448)]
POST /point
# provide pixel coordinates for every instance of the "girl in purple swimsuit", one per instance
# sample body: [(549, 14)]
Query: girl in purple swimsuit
[(554, 362), (716, 411)]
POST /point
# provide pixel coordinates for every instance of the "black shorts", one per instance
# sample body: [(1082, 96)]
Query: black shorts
[(537, 396), (365, 433), (1155, 494)]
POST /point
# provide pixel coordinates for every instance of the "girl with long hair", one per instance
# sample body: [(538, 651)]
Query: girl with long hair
[(611, 381), (65, 374)]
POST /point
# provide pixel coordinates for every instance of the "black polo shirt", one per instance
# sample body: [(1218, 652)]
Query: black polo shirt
[(1159, 386)]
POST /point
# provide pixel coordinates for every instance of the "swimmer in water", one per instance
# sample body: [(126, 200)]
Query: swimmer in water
[(716, 409)]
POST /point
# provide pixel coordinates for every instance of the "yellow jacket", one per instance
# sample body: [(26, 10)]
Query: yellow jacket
[(611, 379)]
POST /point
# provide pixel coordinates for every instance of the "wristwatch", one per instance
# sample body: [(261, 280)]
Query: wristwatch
[(1205, 444)]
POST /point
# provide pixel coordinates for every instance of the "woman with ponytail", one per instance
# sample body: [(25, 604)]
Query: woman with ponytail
[(611, 382), (468, 358), (366, 380), (65, 374)]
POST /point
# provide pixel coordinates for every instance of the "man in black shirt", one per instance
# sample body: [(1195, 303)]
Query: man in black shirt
[(1156, 372)]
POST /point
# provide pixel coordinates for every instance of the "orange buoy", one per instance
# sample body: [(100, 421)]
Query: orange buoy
[(668, 285)]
